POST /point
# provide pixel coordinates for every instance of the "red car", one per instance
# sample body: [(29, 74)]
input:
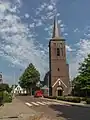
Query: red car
[(38, 93)]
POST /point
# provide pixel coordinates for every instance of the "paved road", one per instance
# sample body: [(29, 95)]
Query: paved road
[(57, 110)]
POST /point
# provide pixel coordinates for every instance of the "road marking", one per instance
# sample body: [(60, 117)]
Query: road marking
[(47, 103), (67, 105), (55, 103), (35, 103), (28, 104), (44, 102), (40, 103)]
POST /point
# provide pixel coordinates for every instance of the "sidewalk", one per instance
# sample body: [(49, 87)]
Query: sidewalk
[(69, 103), (17, 110)]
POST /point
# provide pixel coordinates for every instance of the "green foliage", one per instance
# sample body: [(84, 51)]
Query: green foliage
[(5, 87), (52, 97), (73, 99), (81, 83), (83, 98), (5, 97), (69, 99), (60, 98), (65, 98), (88, 100), (30, 77)]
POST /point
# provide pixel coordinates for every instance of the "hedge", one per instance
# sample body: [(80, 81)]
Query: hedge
[(60, 98), (52, 97), (88, 100), (73, 99), (83, 98), (65, 98)]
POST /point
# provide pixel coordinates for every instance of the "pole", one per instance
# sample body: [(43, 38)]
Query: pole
[(2, 95), (14, 85), (1, 82)]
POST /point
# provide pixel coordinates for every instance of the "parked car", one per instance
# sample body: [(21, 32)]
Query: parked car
[(38, 93)]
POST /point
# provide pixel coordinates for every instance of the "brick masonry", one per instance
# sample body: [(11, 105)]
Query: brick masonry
[(59, 83)]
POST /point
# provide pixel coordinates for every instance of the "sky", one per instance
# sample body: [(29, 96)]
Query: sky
[(26, 28)]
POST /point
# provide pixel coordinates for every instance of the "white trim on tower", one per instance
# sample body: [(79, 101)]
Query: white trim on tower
[(58, 81)]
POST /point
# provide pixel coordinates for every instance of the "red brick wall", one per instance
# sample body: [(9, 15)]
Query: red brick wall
[(58, 62)]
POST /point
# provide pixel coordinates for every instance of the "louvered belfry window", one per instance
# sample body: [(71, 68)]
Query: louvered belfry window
[(58, 51)]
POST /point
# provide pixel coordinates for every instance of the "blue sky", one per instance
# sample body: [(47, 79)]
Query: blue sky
[(25, 30)]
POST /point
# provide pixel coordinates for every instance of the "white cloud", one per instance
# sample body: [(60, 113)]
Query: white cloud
[(61, 25), (88, 35), (50, 7), (59, 21), (4, 6), (32, 25), (27, 15), (65, 34), (83, 48), (38, 23), (17, 44), (76, 30), (68, 48)]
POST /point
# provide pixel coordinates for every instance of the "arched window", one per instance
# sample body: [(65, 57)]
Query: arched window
[(58, 52), (62, 51)]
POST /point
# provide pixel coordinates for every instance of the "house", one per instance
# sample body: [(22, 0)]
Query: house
[(19, 90)]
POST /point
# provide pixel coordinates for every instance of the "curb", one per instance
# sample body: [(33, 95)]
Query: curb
[(69, 103)]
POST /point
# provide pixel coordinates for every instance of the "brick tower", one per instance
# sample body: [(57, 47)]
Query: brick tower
[(59, 70)]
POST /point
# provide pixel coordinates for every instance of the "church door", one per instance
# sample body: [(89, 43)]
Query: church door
[(59, 92)]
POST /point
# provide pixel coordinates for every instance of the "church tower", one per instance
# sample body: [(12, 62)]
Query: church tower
[(59, 69)]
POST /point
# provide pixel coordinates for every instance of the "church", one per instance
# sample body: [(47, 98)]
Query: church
[(57, 79)]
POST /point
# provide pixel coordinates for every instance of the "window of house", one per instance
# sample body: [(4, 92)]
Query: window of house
[(58, 52)]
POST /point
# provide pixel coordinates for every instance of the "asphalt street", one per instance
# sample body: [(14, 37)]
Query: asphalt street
[(56, 110)]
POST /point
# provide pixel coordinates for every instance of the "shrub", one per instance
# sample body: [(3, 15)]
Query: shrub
[(1, 100), (45, 96), (69, 99), (52, 97), (83, 98), (7, 97), (22, 94), (65, 98), (88, 100), (73, 99), (60, 98)]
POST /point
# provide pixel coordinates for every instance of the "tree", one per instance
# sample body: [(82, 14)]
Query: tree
[(5, 87), (82, 82), (29, 78)]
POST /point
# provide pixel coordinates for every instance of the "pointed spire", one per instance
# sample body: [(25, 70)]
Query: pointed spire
[(55, 29)]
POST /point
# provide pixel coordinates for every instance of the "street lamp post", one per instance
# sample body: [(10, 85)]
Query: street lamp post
[(14, 85), (1, 82)]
